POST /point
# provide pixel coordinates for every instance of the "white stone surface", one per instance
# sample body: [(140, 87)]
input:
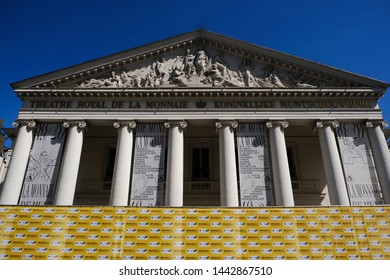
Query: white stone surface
[(175, 164), (381, 157), (227, 164), (15, 174), (332, 164), (120, 187), (281, 173), (70, 164)]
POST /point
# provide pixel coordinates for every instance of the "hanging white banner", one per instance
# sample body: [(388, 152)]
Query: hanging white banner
[(43, 165), (254, 166), (360, 174), (149, 162)]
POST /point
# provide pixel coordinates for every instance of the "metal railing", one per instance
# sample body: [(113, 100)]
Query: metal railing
[(195, 186), (96, 187), (305, 186)]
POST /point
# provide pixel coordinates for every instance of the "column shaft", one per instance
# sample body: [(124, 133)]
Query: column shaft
[(381, 156), (175, 169), (333, 168), (17, 168), (70, 165), (121, 177), (227, 164), (280, 168)]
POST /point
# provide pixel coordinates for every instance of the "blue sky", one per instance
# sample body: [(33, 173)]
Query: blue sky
[(38, 37)]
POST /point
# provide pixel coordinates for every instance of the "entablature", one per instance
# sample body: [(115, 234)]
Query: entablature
[(130, 93), (197, 59)]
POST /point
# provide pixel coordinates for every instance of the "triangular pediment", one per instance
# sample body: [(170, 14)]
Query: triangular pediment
[(199, 59)]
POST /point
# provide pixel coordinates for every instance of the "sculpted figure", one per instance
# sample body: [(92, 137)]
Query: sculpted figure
[(137, 80), (112, 81), (178, 75), (150, 79), (92, 83), (201, 62), (125, 80), (159, 69), (215, 77), (300, 82), (264, 84), (178, 64), (189, 64), (248, 79), (272, 78), (245, 75), (221, 65), (305, 85)]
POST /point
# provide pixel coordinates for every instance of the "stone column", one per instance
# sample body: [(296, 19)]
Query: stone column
[(121, 177), (227, 163), (17, 168), (175, 168), (381, 155), (333, 168), (280, 169), (70, 163)]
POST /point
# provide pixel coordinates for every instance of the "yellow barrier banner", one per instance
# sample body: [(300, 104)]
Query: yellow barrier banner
[(92, 233)]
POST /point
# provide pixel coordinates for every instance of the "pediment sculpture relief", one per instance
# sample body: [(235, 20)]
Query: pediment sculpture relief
[(200, 69)]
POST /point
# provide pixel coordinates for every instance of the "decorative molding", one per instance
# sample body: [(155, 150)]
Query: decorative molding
[(198, 68), (323, 123), (195, 40), (296, 66), (130, 124), (276, 123), (197, 93), (81, 124), (232, 124), (28, 123), (183, 124), (374, 123), (119, 63)]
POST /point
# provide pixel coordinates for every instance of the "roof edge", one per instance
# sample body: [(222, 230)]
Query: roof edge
[(194, 35)]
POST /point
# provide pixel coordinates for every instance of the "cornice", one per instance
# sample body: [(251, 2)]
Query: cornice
[(200, 38), (197, 93)]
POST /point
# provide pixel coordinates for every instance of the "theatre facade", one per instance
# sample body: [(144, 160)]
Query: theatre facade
[(201, 122)]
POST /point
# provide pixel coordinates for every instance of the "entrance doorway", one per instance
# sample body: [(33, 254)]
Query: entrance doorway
[(201, 164)]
